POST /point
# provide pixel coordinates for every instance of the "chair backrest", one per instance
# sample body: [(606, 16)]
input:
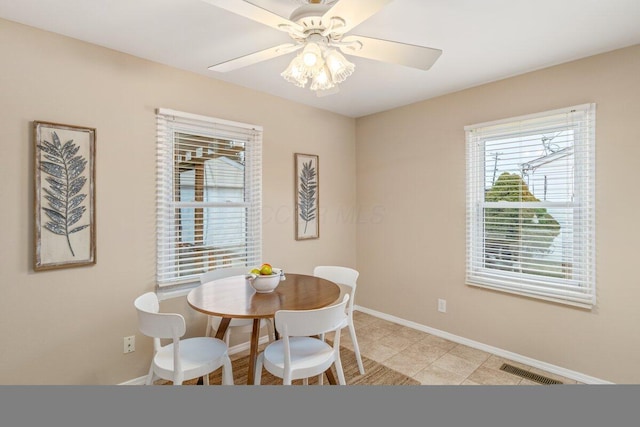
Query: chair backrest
[(221, 273), (304, 323), (154, 324), (342, 275)]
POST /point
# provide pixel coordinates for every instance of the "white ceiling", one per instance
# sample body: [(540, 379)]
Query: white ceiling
[(481, 40)]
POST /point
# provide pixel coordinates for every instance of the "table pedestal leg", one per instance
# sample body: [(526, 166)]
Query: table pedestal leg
[(222, 328), (330, 377), (253, 352)]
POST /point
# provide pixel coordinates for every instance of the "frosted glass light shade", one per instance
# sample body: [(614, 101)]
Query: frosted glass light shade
[(295, 72), (339, 67), (311, 55), (325, 67), (322, 80)]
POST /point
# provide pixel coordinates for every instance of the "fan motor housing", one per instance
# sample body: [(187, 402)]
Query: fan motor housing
[(310, 15)]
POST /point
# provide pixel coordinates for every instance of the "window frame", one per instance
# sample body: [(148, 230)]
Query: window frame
[(168, 205), (580, 292)]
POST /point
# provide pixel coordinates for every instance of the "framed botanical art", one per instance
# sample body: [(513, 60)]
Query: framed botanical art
[(307, 221), (64, 204)]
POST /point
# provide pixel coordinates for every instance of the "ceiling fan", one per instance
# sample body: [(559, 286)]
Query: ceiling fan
[(318, 28)]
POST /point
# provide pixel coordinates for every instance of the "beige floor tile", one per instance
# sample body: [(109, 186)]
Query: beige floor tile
[(362, 336), (345, 335), (347, 343), (406, 364), (359, 324), (438, 342), (427, 358), (424, 353), (362, 318), (432, 375), (456, 364), (377, 352), (412, 334), (390, 327), (469, 353), (371, 332), (397, 342), (487, 376)]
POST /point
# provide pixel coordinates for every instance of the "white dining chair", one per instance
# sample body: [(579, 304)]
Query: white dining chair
[(348, 277), (182, 359), (236, 325), (299, 353)]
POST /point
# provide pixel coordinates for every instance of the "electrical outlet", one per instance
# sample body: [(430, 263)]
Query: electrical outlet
[(130, 344), (442, 305)]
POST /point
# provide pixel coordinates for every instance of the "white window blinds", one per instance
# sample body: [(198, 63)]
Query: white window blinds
[(209, 174), (531, 205)]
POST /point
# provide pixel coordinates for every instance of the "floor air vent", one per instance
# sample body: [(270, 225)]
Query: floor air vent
[(528, 375)]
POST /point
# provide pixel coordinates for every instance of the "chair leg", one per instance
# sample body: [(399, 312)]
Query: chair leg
[(178, 378), (356, 349), (287, 378), (150, 375), (205, 379), (305, 381), (207, 330), (227, 372), (271, 330), (258, 375), (338, 364), (321, 379)]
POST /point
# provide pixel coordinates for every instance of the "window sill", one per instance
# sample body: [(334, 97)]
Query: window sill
[(168, 292), (533, 296)]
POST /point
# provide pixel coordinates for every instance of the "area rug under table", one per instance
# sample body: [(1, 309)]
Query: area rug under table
[(375, 373)]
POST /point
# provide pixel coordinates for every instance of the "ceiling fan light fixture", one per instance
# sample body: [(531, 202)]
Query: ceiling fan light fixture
[(325, 68), (295, 72), (317, 28), (311, 54), (322, 80), (339, 67)]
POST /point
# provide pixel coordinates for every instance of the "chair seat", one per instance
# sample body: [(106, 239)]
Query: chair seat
[(309, 356), (199, 355)]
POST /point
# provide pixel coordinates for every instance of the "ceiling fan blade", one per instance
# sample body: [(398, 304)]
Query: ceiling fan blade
[(255, 13), (354, 12), (393, 52), (253, 58)]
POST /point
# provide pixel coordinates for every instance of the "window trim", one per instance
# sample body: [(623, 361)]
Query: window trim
[(168, 122), (550, 289)]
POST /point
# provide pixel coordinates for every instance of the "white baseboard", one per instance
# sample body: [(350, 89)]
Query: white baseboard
[(233, 350), (578, 376)]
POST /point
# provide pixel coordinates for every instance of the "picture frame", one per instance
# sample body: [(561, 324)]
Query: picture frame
[(307, 221), (64, 196)]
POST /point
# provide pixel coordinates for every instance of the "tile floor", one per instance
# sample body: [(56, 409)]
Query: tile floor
[(430, 359)]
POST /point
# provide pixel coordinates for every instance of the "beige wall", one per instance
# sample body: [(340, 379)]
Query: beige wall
[(411, 168), (67, 326)]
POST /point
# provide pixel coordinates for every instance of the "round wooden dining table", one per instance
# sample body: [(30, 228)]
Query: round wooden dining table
[(233, 297)]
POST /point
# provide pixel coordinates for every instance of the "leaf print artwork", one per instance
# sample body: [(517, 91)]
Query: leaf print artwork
[(307, 193), (65, 181)]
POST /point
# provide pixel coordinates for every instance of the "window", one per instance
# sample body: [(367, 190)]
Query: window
[(208, 196), (530, 205)]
